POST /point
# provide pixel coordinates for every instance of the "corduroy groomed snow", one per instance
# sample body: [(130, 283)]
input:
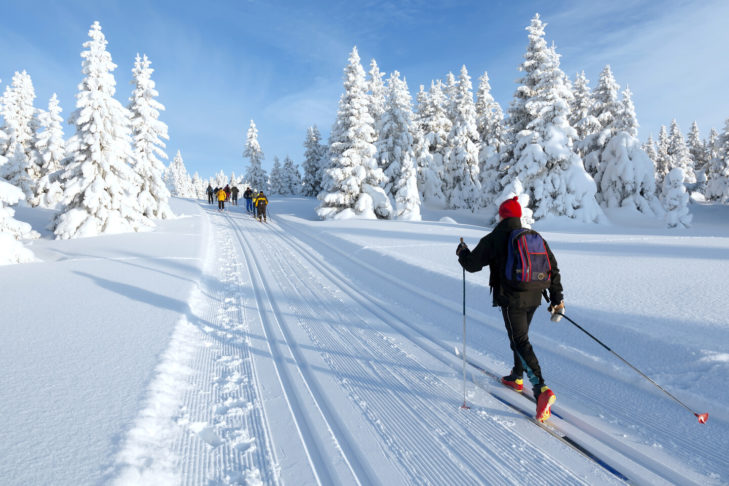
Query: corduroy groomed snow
[(510, 208)]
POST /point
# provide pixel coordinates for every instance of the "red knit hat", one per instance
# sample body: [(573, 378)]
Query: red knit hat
[(510, 208)]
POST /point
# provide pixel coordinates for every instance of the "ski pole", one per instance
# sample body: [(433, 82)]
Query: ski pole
[(703, 417), (464, 338)]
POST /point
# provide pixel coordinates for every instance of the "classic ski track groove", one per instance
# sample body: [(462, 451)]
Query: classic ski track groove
[(479, 430), (647, 463), (235, 439), (322, 467)]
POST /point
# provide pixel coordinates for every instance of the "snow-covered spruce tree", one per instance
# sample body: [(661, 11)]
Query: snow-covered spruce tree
[(662, 159), (395, 149), (100, 186), (20, 123), (50, 148), (698, 152), (197, 187), (544, 161), (290, 177), (696, 147), (147, 133), (463, 186), (394, 130), (675, 199), (221, 179), (434, 125), (352, 181), (679, 154), (178, 179), (377, 91), (605, 109), (315, 159), (274, 179), (717, 185), (490, 126), (581, 117), (12, 230), (649, 147), (628, 175), (255, 174), (17, 170)]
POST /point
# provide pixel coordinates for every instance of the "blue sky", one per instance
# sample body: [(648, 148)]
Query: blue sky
[(219, 64)]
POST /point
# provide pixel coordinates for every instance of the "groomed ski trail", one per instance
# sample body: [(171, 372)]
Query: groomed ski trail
[(285, 372)]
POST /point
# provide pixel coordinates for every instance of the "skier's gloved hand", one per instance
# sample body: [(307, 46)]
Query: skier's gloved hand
[(461, 246), (556, 311)]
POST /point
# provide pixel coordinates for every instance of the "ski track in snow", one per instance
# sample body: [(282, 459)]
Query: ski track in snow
[(284, 372), (204, 423)]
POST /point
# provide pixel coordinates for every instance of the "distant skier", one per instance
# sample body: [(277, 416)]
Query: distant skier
[(261, 204), (221, 199), (234, 195), (227, 192), (248, 196), (517, 306), (209, 191)]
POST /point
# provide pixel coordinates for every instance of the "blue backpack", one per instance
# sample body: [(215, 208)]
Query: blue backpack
[(527, 261)]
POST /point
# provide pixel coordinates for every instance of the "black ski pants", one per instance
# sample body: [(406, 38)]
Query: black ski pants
[(517, 323)]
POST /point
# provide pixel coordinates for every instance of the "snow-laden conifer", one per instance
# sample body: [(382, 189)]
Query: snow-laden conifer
[(490, 126), (377, 92), (12, 230), (274, 179), (462, 181), (198, 187), (605, 108), (543, 159), (315, 162), (679, 155), (50, 148), (290, 177), (626, 120), (395, 131), (255, 174), (435, 126), (17, 170), (220, 179), (18, 112), (717, 186), (147, 132), (649, 147), (675, 199), (20, 124), (696, 147), (628, 176), (177, 178), (581, 114), (662, 159), (699, 154), (351, 185), (100, 186), (395, 149)]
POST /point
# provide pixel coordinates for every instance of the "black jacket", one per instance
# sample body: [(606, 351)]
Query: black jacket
[(491, 251)]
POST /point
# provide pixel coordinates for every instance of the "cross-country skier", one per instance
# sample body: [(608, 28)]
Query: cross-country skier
[(209, 191), (517, 306), (261, 204), (248, 196), (222, 196), (234, 195)]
